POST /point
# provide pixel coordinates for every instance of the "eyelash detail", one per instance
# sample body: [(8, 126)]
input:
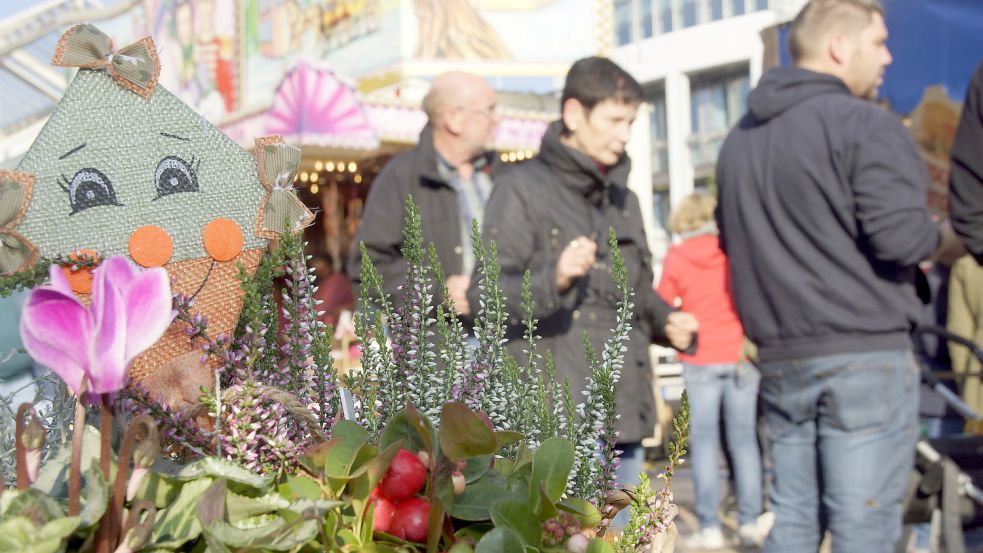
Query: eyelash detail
[(89, 187), (175, 175)]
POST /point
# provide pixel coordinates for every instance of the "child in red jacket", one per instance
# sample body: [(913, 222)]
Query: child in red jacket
[(695, 279)]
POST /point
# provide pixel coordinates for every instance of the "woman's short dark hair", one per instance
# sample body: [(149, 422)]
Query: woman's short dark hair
[(592, 80)]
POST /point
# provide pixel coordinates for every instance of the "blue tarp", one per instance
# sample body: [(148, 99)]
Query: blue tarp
[(932, 42)]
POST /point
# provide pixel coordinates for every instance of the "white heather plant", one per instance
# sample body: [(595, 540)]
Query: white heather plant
[(426, 361)]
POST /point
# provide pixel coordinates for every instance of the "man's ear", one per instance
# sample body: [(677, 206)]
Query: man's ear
[(840, 48), (574, 114), (452, 120)]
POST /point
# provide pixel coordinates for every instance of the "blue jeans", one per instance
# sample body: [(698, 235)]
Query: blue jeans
[(733, 387), (842, 431), (632, 463)]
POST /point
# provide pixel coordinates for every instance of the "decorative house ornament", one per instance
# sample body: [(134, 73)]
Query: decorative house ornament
[(123, 167)]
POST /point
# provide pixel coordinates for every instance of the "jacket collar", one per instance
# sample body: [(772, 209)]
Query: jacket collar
[(579, 172), (426, 165)]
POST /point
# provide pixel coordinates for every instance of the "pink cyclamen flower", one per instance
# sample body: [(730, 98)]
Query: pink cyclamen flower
[(129, 312)]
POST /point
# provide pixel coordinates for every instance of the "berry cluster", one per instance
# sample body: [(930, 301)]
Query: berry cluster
[(398, 509)]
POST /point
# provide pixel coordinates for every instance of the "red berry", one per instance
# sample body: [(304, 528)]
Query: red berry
[(410, 519), (383, 516), (405, 477)]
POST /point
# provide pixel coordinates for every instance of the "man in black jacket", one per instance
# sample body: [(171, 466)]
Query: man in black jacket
[(966, 177), (449, 174), (822, 215), (551, 216)]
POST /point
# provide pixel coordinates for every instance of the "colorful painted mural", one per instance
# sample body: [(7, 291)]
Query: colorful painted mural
[(198, 42)]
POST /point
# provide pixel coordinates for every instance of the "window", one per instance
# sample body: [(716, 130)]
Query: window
[(691, 12), (761, 4), (658, 135), (737, 7), (716, 9), (647, 17), (665, 15), (622, 21), (717, 101)]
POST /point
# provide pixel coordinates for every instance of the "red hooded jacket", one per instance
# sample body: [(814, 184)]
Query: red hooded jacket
[(696, 274)]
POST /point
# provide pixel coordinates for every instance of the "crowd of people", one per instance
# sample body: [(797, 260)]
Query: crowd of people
[(792, 294)]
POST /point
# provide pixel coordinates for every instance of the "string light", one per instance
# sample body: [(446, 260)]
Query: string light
[(505, 157), (358, 179), (318, 166), (512, 157), (352, 167), (314, 188), (520, 156), (304, 176), (329, 166)]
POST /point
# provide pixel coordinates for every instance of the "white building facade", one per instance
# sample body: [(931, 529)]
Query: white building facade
[(697, 60)]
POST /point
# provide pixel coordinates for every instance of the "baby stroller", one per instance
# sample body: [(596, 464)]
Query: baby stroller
[(944, 491)]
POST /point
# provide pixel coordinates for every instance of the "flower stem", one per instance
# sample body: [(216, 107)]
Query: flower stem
[(22, 479), (75, 474), (105, 533)]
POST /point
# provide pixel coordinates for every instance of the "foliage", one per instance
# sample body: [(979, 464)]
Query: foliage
[(511, 462)]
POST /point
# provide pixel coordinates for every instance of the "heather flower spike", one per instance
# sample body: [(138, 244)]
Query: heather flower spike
[(130, 311)]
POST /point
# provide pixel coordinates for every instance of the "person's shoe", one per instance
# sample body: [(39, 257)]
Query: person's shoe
[(750, 535), (707, 539)]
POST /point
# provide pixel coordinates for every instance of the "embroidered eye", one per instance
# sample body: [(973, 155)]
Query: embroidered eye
[(88, 188), (174, 175)]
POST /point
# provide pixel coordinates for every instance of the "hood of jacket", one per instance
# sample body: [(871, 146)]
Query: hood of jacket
[(577, 169), (702, 251), (784, 87)]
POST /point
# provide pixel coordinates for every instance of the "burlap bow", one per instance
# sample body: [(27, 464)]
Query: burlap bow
[(16, 251), (281, 211), (135, 67)]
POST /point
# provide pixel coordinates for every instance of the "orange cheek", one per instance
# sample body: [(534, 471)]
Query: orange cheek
[(223, 239), (151, 246), (80, 280)]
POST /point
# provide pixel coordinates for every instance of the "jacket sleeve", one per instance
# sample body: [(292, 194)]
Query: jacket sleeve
[(382, 232), (511, 224), (652, 311), (889, 192), (966, 173), (668, 287)]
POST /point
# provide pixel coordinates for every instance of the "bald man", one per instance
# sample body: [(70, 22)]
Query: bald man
[(449, 174)]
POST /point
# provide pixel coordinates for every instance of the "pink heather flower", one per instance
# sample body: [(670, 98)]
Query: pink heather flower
[(130, 311)]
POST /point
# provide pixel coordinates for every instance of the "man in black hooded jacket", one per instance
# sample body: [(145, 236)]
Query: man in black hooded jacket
[(966, 177), (822, 214)]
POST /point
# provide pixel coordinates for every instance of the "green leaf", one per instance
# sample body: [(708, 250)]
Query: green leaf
[(416, 432), (362, 487), (476, 467), (211, 504), (158, 489), (500, 540), (349, 431), (551, 467), (241, 507), (544, 506), (598, 545), (304, 487), (584, 511), (179, 523), (463, 434), (222, 468), (34, 505), (342, 452), (478, 497), (506, 437), (18, 533), (95, 497), (519, 517), (234, 536)]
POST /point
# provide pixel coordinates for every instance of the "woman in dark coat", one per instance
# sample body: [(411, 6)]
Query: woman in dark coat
[(551, 216)]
